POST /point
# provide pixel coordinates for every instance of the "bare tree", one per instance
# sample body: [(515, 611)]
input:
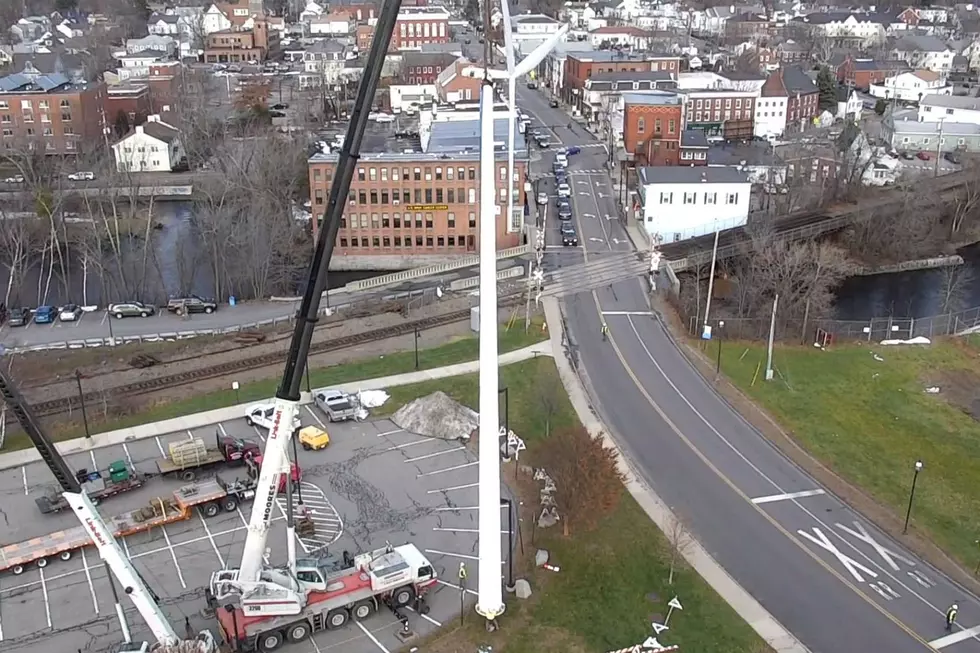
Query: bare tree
[(964, 207), (955, 282), (678, 543), (550, 395)]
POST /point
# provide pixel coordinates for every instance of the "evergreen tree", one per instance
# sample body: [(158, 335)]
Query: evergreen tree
[(880, 107), (121, 124), (827, 85)]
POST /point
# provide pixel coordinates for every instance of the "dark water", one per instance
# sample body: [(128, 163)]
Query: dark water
[(175, 267), (916, 294)]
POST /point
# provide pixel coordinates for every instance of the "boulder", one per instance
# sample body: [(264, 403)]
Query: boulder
[(541, 558), (522, 588)]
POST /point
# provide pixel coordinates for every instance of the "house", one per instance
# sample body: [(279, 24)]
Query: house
[(652, 127), (911, 86), (922, 51), (770, 109), (424, 68), (323, 63), (849, 104), (533, 27), (336, 23), (949, 108), (722, 114), (408, 98), (580, 66), (678, 202), (748, 26), (802, 96), (861, 73), (153, 146), (913, 136), (460, 82), (601, 85), (628, 36), (138, 64), (845, 27), (416, 26), (757, 160), (154, 42), (163, 24)]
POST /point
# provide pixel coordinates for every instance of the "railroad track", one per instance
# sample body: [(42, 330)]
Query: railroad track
[(67, 404)]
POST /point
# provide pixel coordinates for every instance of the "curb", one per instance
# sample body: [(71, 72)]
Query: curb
[(210, 417), (750, 610)]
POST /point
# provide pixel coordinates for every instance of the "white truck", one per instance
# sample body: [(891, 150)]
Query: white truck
[(324, 594), (337, 405), (262, 414)]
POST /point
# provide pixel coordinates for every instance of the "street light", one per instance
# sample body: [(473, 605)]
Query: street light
[(416, 349), (721, 323), (506, 395), (908, 513)]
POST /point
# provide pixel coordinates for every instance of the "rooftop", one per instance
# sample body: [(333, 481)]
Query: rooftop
[(694, 138), (950, 102), (749, 154), (653, 98), (949, 128), (695, 175), (20, 83)]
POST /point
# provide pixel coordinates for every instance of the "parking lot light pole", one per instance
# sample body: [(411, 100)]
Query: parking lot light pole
[(506, 395), (112, 338), (510, 542), (915, 476), (416, 349), (81, 400)]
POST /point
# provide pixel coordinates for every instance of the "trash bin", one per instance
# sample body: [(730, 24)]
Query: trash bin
[(231, 300)]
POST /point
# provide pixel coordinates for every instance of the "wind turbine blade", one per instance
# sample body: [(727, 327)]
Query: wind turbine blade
[(507, 28), (531, 61)]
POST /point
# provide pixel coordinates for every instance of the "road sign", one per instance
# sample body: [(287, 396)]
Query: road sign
[(706, 334)]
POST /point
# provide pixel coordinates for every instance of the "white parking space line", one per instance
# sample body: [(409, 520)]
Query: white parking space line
[(410, 444), (23, 471), (104, 316), (381, 435), (126, 547), (456, 587), (448, 469), (315, 416), (258, 432), (450, 489), (461, 530), (371, 637), (426, 617), (772, 498), (91, 585), (160, 446), (955, 638), (95, 465), (129, 457), (627, 312), (214, 545), (433, 455), (221, 427), (44, 594), (190, 436), (173, 554)]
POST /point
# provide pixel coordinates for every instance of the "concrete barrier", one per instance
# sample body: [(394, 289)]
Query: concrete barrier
[(474, 282)]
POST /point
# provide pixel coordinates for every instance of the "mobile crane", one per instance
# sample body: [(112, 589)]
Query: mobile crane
[(109, 549), (253, 580)]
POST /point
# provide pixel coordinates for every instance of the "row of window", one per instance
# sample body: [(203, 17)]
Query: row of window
[(48, 145), (353, 220), (699, 116), (687, 155), (420, 241), (28, 105), (385, 197), (47, 131), (6, 118), (692, 198), (421, 29), (728, 103), (417, 174), (641, 125)]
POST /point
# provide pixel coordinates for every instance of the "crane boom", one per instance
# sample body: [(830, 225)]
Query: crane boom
[(275, 460)]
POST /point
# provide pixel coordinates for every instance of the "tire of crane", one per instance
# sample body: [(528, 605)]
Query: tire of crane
[(298, 631), (65, 555), (362, 609), (188, 475), (229, 503), (403, 596), (42, 562), (17, 570), (270, 641), (337, 618), (211, 509)]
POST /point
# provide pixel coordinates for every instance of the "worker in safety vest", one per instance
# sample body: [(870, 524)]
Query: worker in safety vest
[(951, 616)]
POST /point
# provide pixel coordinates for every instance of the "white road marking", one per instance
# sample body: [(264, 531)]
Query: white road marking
[(456, 587), (887, 555), (627, 312), (426, 617), (281, 504), (44, 593), (433, 455), (160, 446), (853, 566), (214, 545), (461, 530), (190, 435), (955, 638), (126, 547), (221, 427), (24, 473), (91, 585), (450, 489), (384, 433), (921, 578), (315, 416), (772, 498), (173, 554), (258, 432), (410, 444), (371, 637), (451, 555), (95, 465), (129, 458), (1, 630), (448, 469)]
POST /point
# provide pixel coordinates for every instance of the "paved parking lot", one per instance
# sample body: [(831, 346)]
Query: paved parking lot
[(374, 484)]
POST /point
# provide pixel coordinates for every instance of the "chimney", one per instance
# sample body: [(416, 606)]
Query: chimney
[(153, 118), (139, 129)]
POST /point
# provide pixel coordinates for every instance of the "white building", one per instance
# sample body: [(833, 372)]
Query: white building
[(163, 24), (153, 146), (678, 203), (214, 20), (337, 23), (533, 27), (138, 65), (153, 42), (949, 108), (927, 52), (406, 98), (770, 116), (911, 86), (866, 28), (849, 105)]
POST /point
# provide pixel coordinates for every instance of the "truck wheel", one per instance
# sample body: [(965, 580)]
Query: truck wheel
[(208, 310), (65, 555), (18, 570), (306, 446), (188, 475), (403, 596), (248, 420), (298, 632), (210, 509), (42, 562), (363, 609), (270, 641), (337, 618), (229, 503)]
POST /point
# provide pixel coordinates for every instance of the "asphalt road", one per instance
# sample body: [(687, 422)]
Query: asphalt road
[(373, 484), (822, 570)]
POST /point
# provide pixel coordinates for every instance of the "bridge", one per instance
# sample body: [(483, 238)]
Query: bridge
[(806, 224), (177, 186)]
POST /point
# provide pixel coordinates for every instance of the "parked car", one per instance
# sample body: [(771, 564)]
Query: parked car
[(908, 156), (3, 312), (16, 179), (925, 156), (261, 415), (81, 176), (542, 198), (191, 304), (335, 404), (70, 313), (573, 150), (561, 160), (532, 85), (568, 236), (131, 309), (954, 158), (44, 314), (542, 141), (313, 438), (19, 317), (564, 190), (553, 104)]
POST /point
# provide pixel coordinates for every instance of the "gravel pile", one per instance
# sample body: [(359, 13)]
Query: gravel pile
[(437, 416)]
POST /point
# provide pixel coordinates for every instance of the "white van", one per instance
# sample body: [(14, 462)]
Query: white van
[(561, 160)]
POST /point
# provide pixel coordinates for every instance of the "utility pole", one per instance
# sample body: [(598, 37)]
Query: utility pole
[(939, 149), (711, 275), (772, 336)]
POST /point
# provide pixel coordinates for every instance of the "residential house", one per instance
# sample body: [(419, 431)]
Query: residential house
[(363, 35), (152, 42), (153, 146), (551, 70), (950, 109), (31, 28), (845, 28), (600, 86), (678, 203), (770, 109), (577, 14), (47, 63), (694, 148), (424, 68), (138, 64), (533, 27), (722, 114), (460, 82), (409, 98), (652, 127), (757, 160), (215, 19), (913, 136), (748, 26), (162, 24), (849, 105), (861, 73), (801, 94), (336, 23), (323, 64), (920, 51), (628, 36), (51, 113), (251, 40), (911, 86), (415, 26)]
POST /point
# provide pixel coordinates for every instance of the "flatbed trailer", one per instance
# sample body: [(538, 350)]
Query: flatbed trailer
[(211, 497), (121, 479), (185, 458)]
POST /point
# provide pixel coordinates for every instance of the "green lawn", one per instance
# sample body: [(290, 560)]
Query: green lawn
[(600, 600), (870, 421), (460, 350)]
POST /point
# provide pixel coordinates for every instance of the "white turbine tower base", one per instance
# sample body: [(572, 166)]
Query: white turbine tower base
[(490, 601)]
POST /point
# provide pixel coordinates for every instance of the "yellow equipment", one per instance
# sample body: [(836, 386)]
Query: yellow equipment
[(313, 438)]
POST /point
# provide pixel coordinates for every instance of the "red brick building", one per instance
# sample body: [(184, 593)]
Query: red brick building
[(50, 113), (418, 26), (240, 45), (862, 73), (164, 83), (801, 93), (652, 127), (580, 66), (424, 67), (726, 114), (131, 99), (363, 35)]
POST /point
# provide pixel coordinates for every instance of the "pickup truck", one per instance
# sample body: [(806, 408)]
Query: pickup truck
[(335, 404)]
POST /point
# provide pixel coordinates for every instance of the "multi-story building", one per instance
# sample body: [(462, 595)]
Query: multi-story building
[(416, 26), (423, 67), (417, 203), (50, 113), (911, 86), (601, 88), (802, 97), (362, 37), (748, 26), (724, 114), (580, 66), (253, 41), (949, 109), (862, 73), (460, 82), (652, 127)]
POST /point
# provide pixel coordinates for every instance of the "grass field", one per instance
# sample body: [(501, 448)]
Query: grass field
[(612, 580), (460, 350), (870, 420)]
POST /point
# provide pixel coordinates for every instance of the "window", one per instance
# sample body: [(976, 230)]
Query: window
[(657, 126), (25, 105), (472, 220), (418, 174), (461, 173), (451, 220), (384, 174), (417, 195), (360, 174), (4, 105), (428, 174), (671, 126), (375, 220), (394, 174), (8, 132), (384, 195), (711, 198), (398, 241), (731, 198), (373, 174), (385, 241), (5, 118), (641, 125), (472, 174), (449, 174), (361, 197), (45, 117), (439, 197), (666, 198), (460, 194), (385, 222), (374, 197), (472, 195), (353, 242), (376, 242), (438, 174), (318, 196), (451, 196), (407, 196), (343, 242), (364, 222), (397, 218), (452, 241), (428, 220), (428, 196), (440, 241), (690, 198), (418, 220), (428, 241), (949, 112), (418, 241)]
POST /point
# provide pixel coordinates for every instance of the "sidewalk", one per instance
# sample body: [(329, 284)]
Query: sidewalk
[(780, 639), (198, 420)]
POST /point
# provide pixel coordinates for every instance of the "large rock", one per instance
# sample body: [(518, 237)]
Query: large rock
[(549, 517), (437, 416), (541, 558), (522, 588)]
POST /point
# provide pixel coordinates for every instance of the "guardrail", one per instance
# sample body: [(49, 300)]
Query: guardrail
[(473, 282)]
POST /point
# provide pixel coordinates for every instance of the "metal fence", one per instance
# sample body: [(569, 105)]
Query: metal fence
[(876, 329)]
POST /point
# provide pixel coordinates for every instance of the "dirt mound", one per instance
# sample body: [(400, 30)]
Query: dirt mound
[(437, 416)]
